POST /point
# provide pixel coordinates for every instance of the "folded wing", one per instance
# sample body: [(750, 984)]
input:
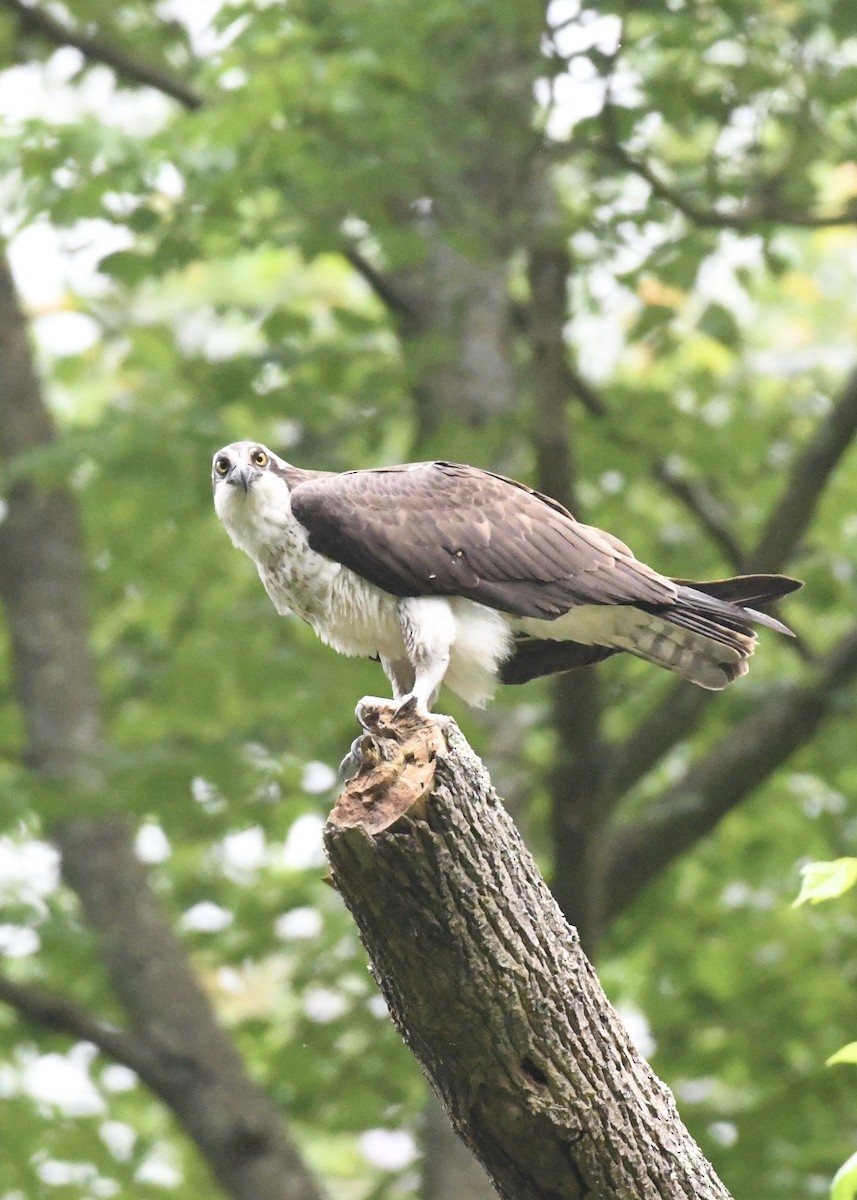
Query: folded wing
[(448, 530)]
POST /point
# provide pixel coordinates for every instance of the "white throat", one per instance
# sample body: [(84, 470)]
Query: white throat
[(259, 518)]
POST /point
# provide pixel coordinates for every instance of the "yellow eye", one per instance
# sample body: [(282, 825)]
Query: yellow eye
[(221, 465), (259, 458)]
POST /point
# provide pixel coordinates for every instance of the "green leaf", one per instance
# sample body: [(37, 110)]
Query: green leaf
[(826, 880), (719, 323), (126, 267), (651, 320), (844, 1185), (847, 1054)]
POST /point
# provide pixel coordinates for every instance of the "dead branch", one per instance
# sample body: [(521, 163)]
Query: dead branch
[(488, 984)]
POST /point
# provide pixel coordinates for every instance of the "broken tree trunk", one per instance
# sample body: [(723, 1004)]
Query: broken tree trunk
[(488, 985)]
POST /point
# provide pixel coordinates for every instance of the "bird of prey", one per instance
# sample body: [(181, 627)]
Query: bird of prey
[(450, 574)]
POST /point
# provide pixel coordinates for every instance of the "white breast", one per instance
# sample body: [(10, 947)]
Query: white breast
[(347, 612)]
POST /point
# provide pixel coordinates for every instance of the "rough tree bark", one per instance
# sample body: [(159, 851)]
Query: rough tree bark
[(488, 984)]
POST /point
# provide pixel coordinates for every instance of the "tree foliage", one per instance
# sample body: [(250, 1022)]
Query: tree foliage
[(610, 252)]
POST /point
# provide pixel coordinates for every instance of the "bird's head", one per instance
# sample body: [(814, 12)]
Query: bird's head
[(251, 495), (239, 465)]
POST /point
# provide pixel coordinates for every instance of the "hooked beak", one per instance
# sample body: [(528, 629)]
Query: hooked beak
[(242, 476)]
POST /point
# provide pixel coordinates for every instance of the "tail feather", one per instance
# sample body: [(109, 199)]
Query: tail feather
[(735, 595), (706, 636), (726, 629), (688, 643), (717, 633), (745, 589)]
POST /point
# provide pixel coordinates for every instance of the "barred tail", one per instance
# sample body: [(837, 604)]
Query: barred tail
[(706, 636)]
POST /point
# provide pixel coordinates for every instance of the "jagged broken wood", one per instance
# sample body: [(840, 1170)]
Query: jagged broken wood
[(488, 985)]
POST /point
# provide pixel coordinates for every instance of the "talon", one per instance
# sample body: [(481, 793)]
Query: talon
[(408, 703), (370, 702), (353, 760), (348, 768)]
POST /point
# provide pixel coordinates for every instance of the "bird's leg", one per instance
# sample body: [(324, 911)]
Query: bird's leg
[(428, 630), (401, 676), (429, 677)]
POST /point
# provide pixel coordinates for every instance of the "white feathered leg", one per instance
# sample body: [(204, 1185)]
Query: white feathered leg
[(428, 628), (401, 676)]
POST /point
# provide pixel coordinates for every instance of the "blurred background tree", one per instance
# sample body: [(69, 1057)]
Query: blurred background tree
[(610, 252)]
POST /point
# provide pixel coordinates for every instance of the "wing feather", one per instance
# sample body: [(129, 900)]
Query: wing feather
[(446, 529)]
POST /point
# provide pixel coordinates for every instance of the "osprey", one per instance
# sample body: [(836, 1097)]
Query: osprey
[(449, 574)]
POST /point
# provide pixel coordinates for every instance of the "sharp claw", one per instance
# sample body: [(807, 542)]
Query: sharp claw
[(409, 703), (369, 702), (348, 768), (359, 712), (353, 760)]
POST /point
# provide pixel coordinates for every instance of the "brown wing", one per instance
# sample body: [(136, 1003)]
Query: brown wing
[(448, 530)]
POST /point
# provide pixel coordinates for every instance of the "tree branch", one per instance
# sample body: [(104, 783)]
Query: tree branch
[(695, 494), (548, 271), (793, 513), (41, 575), (583, 391), (380, 284), (670, 722), (194, 1065), (750, 216), (58, 1013), (710, 512), (96, 48), (683, 708), (742, 760), (500, 1006)]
